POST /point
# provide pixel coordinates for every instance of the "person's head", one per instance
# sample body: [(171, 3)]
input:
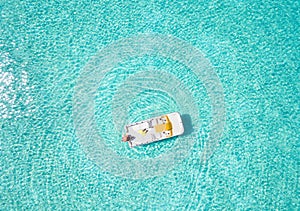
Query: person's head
[(125, 138)]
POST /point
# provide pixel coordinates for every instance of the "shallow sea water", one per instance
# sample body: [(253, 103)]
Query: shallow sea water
[(72, 73)]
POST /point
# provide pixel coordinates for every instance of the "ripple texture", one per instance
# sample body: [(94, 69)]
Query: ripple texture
[(136, 78)]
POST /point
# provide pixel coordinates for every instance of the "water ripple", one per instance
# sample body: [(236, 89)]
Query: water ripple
[(123, 99)]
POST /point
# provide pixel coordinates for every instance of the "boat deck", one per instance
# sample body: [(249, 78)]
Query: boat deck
[(153, 130)]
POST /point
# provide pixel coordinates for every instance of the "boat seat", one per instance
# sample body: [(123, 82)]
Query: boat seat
[(163, 127)]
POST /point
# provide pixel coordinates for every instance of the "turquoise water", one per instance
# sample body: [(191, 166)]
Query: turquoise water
[(72, 73)]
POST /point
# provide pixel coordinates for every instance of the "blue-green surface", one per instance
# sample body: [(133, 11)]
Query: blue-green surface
[(253, 47)]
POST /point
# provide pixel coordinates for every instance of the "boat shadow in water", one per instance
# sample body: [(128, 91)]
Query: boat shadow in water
[(187, 124)]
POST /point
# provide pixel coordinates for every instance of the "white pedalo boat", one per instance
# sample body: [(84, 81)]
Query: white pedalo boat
[(153, 130)]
